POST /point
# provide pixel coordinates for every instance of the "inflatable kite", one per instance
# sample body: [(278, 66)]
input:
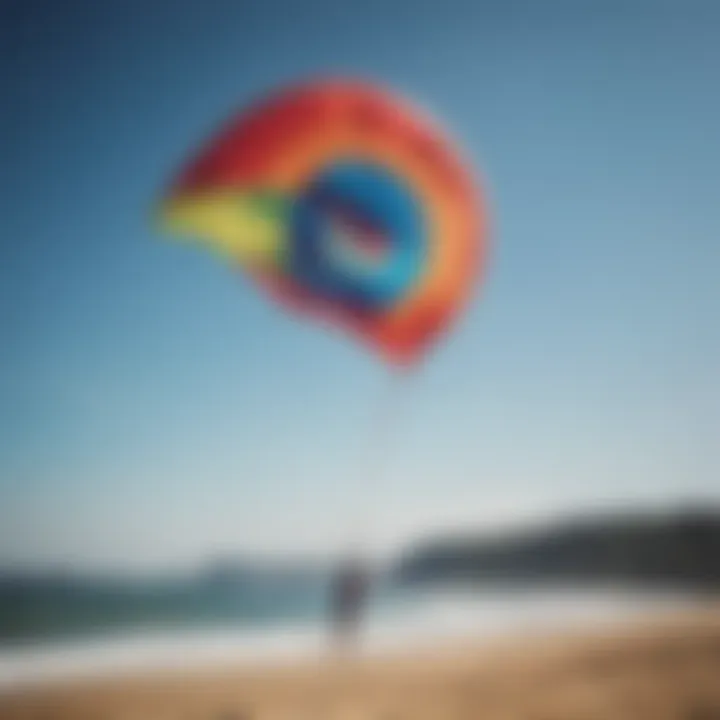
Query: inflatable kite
[(344, 202)]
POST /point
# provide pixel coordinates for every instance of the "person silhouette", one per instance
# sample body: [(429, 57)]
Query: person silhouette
[(348, 601)]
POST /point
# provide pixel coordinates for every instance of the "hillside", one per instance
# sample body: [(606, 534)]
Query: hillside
[(673, 550)]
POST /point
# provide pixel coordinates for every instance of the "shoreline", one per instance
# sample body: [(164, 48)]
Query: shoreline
[(663, 659), (440, 622)]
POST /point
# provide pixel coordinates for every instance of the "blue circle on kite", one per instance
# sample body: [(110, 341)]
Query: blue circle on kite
[(358, 236)]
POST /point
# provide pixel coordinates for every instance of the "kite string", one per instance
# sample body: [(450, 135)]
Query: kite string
[(375, 456)]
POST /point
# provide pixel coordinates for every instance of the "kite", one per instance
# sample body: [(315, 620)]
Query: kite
[(344, 202)]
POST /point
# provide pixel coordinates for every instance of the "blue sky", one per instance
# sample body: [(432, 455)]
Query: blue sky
[(154, 409)]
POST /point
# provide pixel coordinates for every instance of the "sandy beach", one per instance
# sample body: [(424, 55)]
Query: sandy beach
[(663, 667)]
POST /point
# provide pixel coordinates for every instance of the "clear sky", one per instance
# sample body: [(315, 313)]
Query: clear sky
[(154, 409)]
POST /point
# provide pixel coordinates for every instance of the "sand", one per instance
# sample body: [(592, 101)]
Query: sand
[(658, 669)]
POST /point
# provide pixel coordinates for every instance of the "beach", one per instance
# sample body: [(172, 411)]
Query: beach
[(663, 665)]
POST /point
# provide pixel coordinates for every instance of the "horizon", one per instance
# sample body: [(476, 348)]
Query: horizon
[(540, 523)]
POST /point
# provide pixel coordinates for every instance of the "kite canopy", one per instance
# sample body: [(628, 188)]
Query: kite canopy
[(343, 202)]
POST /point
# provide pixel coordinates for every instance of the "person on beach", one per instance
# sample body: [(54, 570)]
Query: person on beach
[(348, 600)]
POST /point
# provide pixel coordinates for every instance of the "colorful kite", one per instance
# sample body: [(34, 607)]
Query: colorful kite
[(342, 201)]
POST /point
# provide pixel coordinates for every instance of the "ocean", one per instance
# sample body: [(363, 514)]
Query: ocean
[(65, 629)]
